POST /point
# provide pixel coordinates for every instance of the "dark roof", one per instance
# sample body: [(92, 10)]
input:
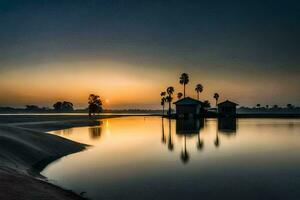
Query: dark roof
[(188, 101), (227, 102)]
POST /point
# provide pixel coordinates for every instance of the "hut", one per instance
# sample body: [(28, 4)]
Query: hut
[(227, 109), (188, 108)]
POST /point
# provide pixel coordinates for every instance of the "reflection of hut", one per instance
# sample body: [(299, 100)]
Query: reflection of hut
[(227, 125), (188, 126), (188, 107), (227, 109)]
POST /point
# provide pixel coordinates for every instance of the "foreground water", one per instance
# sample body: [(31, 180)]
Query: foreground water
[(147, 158)]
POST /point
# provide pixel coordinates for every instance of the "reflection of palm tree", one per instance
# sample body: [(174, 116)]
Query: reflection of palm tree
[(184, 153), (170, 143), (163, 138), (198, 89), (217, 141), (200, 143), (184, 79)]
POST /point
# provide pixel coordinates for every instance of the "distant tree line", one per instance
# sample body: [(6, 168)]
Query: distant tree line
[(64, 106), (289, 108)]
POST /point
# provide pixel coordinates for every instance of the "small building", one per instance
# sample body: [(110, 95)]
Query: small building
[(227, 109), (188, 108)]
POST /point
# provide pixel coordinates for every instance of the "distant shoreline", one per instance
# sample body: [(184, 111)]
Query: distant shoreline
[(4, 117)]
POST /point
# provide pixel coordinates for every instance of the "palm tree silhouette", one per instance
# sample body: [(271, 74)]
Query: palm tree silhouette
[(179, 95), (162, 94), (163, 100), (184, 153), (198, 89), (216, 96), (170, 142), (163, 138), (200, 143), (183, 80), (169, 98), (217, 141)]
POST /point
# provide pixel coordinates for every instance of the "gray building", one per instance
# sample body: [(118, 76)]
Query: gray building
[(227, 109), (188, 107)]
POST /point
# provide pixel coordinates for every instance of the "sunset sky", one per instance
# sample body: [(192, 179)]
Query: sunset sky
[(130, 51)]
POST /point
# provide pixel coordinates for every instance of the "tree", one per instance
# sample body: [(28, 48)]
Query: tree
[(198, 89), (162, 103), (163, 100), (216, 96), (289, 106), (183, 80), (169, 98), (95, 104), (32, 108), (206, 104), (63, 106), (57, 106), (67, 106), (179, 95), (258, 105)]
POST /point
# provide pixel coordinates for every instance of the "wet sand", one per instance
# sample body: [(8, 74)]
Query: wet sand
[(26, 148)]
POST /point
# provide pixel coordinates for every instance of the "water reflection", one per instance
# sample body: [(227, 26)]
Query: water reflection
[(189, 128), (132, 159), (170, 142), (95, 132), (227, 125), (163, 137), (184, 153)]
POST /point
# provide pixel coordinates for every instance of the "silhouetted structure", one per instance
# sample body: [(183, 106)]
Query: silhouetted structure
[(188, 108), (227, 109)]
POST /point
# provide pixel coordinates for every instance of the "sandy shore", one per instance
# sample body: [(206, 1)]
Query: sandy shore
[(26, 148)]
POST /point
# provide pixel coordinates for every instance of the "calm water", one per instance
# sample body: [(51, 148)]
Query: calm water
[(147, 158)]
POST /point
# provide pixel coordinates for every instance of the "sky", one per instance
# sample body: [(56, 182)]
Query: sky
[(129, 51)]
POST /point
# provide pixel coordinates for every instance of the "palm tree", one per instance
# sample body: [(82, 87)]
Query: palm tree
[(169, 98), (179, 95), (216, 96), (183, 80), (198, 89), (163, 100), (162, 103)]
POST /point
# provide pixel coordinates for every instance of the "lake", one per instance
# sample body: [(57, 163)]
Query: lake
[(150, 158)]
